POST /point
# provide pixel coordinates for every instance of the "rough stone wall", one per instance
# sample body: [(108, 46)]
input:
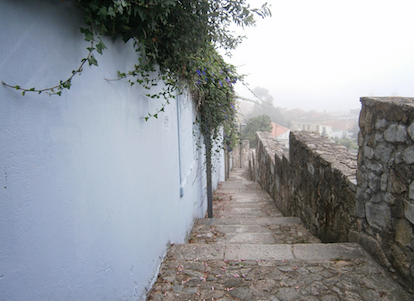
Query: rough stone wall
[(269, 165), (324, 179), (245, 153), (284, 184), (266, 146), (385, 192), (317, 183), (252, 165)]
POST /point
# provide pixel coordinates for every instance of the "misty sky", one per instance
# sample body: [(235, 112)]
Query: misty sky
[(325, 54)]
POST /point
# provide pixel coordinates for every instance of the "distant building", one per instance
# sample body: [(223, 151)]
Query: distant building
[(280, 133), (341, 128), (309, 121), (323, 123)]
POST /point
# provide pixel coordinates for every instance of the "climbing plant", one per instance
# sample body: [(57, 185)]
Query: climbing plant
[(176, 42)]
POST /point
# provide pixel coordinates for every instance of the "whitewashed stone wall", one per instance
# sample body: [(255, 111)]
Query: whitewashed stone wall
[(91, 195)]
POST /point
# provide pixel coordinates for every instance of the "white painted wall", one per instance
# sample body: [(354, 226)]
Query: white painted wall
[(89, 191)]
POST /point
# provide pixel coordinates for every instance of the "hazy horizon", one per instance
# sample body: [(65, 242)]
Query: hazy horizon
[(325, 55)]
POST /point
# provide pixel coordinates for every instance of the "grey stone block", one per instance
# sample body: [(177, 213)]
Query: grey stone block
[(383, 152), (379, 137), (411, 131), (408, 155), (374, 181), (403, 232), (381, 123), (395, 133), (376, 198), (376, 167), (328, 251), (411, 193), (390, 132), (360, 208), (378, 215), (250, 238), (368, 152), (249, 221), (384, 182), (409, 211), (256, 229), (197, 251), (258, 252), (401, 135)]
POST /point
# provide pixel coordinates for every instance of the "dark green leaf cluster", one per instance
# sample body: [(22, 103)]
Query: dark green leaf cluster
[(256, 124), (212, 85), (177, 40), (168, 32), (176, 43)]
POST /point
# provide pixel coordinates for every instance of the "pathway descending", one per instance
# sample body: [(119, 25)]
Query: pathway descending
[(249, 251)]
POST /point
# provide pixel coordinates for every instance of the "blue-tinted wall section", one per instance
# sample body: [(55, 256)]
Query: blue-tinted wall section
[(89, 190)]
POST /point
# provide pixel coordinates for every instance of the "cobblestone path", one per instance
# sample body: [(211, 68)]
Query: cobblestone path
[(249, 251)]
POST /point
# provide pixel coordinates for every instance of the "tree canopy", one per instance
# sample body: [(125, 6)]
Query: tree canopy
[(256, 124), (266, 106)]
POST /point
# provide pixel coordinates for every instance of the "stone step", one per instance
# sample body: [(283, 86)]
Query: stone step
[(249, 212), (239, 184), (229, 213), (252, 200), (288, 233), (272, 272), (305, 252), (247, 190), (249, 221), (248, 252), (247, 215), (251, 229), (246, 204)]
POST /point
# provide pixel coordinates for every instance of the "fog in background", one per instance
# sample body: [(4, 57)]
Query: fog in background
[(325, 55)]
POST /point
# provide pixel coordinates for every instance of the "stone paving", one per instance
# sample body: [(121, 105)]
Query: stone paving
[(250, 252)]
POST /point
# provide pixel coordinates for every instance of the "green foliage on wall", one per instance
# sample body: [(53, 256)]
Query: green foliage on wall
[(176, 43)]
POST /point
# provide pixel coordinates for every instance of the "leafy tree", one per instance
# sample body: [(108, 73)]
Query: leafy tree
[(256, 124), (265, 106), (264, 95), (348, 143)]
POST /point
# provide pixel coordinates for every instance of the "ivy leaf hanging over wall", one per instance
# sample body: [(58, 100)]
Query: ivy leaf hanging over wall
[(175, 40)]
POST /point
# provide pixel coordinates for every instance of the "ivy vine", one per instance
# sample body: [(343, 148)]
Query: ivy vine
[(176, 42), (66, 84)]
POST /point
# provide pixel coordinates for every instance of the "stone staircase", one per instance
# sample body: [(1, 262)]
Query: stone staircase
[(249, 251)]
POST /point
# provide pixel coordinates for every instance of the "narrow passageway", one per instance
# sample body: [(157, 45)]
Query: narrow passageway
[(249, 251), (246, 214)]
